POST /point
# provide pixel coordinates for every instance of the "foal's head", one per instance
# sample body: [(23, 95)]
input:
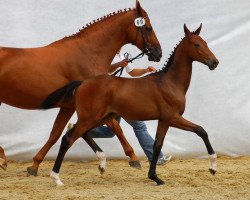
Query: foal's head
[(141, 34), (198, 50)]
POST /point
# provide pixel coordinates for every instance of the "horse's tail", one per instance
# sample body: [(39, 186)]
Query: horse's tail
[(65, 93)]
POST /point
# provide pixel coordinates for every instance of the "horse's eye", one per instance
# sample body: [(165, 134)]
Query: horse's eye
[(149, 28), (196, 45)]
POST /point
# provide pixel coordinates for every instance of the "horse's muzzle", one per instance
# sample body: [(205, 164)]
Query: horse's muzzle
[(154, 53)]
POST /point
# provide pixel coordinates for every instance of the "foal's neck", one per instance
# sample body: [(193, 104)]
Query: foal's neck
[(180, 71)]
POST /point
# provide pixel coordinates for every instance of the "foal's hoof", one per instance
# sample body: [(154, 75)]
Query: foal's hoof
[(156, 179), (31, 171), (135, 164), (212, 171), (160, 182), (101, 170), (3, 164)]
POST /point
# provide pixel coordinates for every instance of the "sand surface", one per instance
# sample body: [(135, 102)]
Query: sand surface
[(185, 179)]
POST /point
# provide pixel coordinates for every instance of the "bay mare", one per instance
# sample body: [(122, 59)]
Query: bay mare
[(29, 75), (158, 96)]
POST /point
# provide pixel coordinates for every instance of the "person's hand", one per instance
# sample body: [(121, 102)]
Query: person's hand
[(151, 69), (123, 63)]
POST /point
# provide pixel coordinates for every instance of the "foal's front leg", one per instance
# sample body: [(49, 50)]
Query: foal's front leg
[(181, 123), (159, 139)]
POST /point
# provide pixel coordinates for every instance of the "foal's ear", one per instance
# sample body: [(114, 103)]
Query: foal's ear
[(138, 7), (186, 31), (197, 32)]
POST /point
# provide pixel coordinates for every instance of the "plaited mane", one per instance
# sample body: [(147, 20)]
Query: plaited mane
[(94, 22), (169, 61)]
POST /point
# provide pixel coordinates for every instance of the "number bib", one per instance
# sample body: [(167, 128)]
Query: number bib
[(139, 22)]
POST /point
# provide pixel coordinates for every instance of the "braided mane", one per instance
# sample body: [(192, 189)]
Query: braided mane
[(94, 22), (169, 60)]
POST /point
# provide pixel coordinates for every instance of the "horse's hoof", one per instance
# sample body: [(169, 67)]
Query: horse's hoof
[(31, 171), (212, 171), (3, 164), (135, 164), (101, 170)]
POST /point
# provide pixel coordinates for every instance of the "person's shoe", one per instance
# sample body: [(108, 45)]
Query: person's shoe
[(70, 126), (165, 159)]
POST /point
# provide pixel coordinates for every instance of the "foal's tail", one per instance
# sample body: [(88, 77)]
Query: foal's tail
[(65, 93)]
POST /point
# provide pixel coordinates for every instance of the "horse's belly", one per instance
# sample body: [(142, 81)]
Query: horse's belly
[(20, 99)]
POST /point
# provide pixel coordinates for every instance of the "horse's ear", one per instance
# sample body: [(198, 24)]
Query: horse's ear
[(187, 32), (197, 32), (138, 7)]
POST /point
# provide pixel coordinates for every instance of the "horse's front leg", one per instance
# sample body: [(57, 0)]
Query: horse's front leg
[(159, 139), (61, 120), (181, 123), (129, 151), (3, 159)]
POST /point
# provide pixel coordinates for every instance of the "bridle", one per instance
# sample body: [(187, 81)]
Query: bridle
[(139, 23)]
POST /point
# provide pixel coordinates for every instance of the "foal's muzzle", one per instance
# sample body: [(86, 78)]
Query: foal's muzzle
[(212, 64)]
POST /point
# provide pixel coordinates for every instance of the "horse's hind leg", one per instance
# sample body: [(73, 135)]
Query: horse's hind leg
[(129, 151), (59, 124), (3, 159), (184, 124)]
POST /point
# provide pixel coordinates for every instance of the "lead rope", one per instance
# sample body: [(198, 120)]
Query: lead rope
[(129, 60)]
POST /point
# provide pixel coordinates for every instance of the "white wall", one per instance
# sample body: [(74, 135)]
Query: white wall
[(217, 100)]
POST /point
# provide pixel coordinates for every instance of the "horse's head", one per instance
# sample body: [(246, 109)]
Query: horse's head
[(198, 49), (141, 34)]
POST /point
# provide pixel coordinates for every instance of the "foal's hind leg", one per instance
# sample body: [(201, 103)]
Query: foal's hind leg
[(59, 124), (184, 124), (3, 159), (129, 151), (67, 140), (98, 151)]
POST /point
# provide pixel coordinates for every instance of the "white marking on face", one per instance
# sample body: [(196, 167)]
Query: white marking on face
[(139, 22)]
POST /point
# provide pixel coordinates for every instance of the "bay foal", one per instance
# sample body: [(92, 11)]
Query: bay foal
[(158, 96)]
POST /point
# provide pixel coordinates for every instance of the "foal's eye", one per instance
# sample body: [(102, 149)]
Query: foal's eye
[(196, 45), (149, 28)]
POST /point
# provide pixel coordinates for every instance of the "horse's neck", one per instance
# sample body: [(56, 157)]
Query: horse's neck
[(180, 71), (99, 42)]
